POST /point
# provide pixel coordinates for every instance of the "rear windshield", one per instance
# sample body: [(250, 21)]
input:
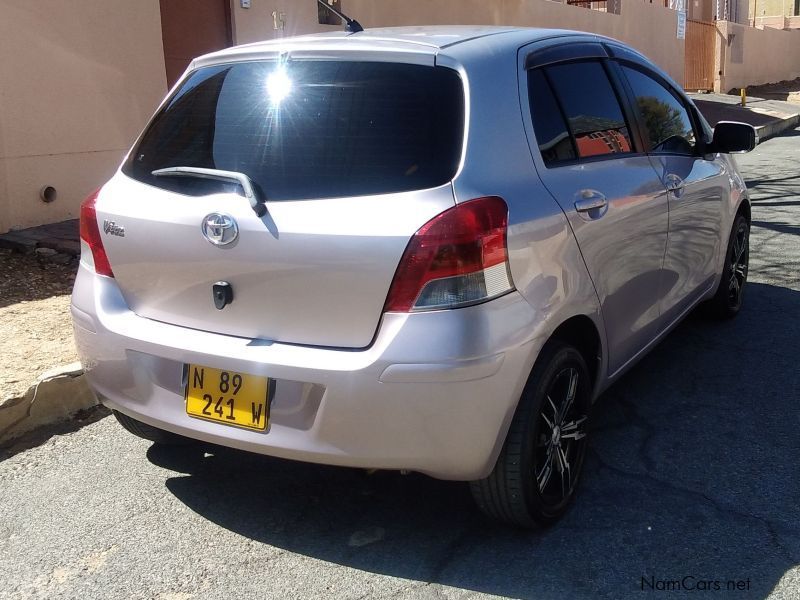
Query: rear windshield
[(309, 129)]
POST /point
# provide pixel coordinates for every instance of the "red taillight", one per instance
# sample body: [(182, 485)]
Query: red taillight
[(457, 258), (90, 234)]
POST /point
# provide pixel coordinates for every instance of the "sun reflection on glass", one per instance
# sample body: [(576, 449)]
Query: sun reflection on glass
[(278, 86)]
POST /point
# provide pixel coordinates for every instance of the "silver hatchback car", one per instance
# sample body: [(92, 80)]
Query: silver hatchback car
[(424, 249)]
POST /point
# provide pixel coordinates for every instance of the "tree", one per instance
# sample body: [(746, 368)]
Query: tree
[(663, 121)]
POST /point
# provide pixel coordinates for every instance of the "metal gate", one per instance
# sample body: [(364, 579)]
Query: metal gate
[(699, 67)]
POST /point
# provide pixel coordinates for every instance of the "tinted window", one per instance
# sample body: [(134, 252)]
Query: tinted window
[(593, 112), (321, 129), (666, 120), (554, 140)]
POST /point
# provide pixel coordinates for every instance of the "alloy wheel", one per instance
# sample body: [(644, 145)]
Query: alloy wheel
[(738, 264), (561, 440)]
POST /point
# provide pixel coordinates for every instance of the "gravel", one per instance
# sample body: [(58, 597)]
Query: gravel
[(34, 319)]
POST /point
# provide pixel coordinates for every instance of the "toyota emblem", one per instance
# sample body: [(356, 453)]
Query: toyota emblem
[(220, 229)]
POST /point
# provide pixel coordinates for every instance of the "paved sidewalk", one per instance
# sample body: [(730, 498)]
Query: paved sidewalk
[(769, 117)]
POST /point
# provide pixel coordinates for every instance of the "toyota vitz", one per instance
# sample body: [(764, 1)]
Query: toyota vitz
[(424, 249)]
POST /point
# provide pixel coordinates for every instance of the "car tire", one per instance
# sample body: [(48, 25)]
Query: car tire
[(727, 301), (153, 434), (536, 474)]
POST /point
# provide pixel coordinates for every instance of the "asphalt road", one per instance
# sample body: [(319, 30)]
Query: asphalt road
[(693, 474)]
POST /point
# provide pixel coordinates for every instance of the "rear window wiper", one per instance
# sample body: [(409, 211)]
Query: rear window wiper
[(257, 202)]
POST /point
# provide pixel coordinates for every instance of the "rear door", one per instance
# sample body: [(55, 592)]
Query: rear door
[(351, 157), (696, 189), (590, 159)]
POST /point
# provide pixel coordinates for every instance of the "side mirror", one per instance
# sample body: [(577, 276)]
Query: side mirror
[(733, 138)]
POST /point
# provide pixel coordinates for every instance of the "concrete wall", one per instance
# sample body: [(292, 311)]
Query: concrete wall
[(648, 27), (770, 8), (748, 56), (778, 22), (294, 17), (78, 80)]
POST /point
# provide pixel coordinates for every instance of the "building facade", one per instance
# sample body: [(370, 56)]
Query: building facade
[(79, 80)]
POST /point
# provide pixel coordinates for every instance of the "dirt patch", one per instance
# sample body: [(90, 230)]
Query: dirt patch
[(788, 91), (35, 324)]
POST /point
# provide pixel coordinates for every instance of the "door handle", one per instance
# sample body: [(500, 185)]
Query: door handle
[(673, 183), (590, 200)]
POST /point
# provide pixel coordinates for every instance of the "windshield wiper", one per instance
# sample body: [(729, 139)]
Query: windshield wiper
[(351, 25), (257, 203)]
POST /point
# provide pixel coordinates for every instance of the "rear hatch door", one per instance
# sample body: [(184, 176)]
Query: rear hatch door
[(352, 158)]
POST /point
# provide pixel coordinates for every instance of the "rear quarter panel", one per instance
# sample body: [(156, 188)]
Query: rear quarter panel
[(546, 265)]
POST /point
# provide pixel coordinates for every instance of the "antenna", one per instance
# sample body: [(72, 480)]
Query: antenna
[(351, 25)]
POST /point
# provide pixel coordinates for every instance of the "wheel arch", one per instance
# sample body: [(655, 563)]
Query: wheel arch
[(745, 210), (581, 332)]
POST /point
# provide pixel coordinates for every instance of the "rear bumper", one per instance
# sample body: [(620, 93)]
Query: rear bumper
[(434, 393)]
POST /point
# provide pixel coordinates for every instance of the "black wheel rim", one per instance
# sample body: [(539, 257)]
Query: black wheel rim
[(561, 438), (737, 265)]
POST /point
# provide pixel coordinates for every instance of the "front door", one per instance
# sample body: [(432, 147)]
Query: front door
[(609, 191), (696, 189)]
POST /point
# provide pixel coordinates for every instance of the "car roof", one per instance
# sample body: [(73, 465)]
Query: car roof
[(418, 40), (438, 36)]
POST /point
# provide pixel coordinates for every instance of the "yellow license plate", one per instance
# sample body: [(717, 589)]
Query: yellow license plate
[(228, 397)]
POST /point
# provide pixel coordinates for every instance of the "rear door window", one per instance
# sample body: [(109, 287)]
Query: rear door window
[(590, 112), (309, 129), (555, 142)]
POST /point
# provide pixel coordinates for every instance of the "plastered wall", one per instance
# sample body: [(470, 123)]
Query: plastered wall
[(648, 27), (748, 56), (78, 80)]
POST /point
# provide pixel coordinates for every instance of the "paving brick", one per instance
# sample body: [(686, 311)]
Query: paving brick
[(70, 247), (48, 242), (63, 237), (18, 243)]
